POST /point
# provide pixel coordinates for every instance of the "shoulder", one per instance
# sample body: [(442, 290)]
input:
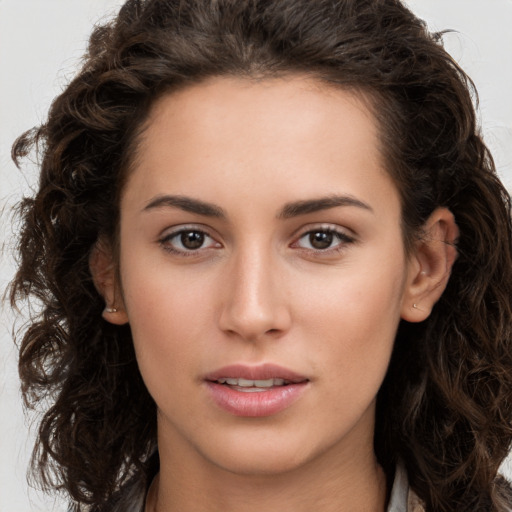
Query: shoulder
[(404, 499)]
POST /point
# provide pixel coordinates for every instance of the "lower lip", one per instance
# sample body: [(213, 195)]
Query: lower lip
[(255, 404)]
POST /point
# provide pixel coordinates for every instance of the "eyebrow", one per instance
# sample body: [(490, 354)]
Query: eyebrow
[(297, 208), (293, 209), (186, 204)]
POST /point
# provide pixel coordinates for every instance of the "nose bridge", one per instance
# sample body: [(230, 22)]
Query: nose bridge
[(254, 302)]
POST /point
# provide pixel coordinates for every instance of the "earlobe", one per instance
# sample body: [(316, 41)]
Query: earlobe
[(430, 266), (103, 271)]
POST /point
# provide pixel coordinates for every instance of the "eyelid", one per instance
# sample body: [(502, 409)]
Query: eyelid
[(344, 235), (173, 231), (324, 226)]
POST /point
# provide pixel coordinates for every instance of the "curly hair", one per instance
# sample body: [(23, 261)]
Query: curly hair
[(445, 407)]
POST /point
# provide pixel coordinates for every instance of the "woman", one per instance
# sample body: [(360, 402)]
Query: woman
[(301, 253)]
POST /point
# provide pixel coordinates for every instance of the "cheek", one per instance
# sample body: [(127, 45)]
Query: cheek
[(353, 342), (353, 317), (363, 294), (168, 318)]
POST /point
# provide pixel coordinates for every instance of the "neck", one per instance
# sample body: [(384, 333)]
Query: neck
[(328, 484)]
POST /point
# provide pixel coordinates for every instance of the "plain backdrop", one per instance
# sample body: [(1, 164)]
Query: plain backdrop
[(41, 42)]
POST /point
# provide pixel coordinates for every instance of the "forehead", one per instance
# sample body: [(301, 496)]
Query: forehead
[(294, 104), (287, 136)]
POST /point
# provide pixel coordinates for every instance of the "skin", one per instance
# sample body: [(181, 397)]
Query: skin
[(258, 291)]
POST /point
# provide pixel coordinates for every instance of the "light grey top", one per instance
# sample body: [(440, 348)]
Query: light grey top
[(399, 492), (402, 497)]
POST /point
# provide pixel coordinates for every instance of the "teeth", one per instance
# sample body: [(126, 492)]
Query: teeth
[(246, 383)]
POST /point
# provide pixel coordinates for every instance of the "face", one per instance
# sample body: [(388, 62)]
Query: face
[(262, 272)]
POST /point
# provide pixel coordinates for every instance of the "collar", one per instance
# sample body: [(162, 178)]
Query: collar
[(403, 499)]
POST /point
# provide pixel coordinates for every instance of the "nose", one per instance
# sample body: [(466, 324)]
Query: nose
[(255, 304)]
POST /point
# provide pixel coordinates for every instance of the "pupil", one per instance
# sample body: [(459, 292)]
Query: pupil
[(192, 239), (320, 240)]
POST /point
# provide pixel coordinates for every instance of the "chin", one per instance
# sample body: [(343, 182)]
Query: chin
[(261, 458), (261, 464)]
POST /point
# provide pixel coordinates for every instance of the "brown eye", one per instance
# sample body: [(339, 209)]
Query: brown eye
[(321, 239), (192, 239), (188, 241)]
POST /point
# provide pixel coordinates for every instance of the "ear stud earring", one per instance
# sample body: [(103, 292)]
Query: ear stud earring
[(415, 306), (110, 310)]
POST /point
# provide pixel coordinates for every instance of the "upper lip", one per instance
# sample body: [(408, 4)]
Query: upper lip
[(259, 372)]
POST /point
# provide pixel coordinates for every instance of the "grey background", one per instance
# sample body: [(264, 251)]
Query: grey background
[(41, 42)]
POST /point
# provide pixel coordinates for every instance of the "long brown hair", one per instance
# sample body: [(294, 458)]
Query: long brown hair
[(445, 408)]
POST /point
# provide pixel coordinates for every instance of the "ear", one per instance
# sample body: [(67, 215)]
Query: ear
[(430, 266), (103, 271)]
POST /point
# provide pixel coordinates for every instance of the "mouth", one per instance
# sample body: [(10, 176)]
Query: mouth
[(253, 386), (260, 377), (255, 391)]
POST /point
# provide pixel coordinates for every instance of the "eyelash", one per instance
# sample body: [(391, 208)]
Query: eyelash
[(342, 238), (166, 244)]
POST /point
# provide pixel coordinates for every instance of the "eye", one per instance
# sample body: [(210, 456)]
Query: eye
[(187, 240), (191, 239), (323, 239)]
